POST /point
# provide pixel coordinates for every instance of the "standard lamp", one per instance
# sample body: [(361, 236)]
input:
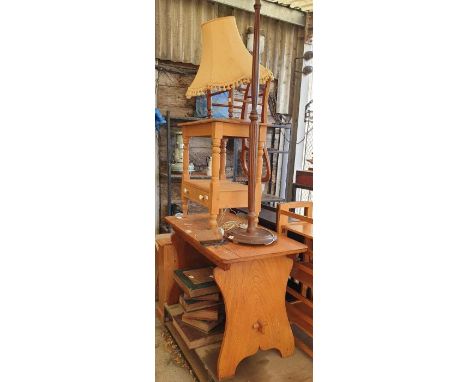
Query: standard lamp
[(225, 64), (254, 234)]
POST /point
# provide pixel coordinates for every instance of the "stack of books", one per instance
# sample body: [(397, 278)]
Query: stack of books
[(203, 308)]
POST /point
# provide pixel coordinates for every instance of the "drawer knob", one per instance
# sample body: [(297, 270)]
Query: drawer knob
[(200, 197), (206, 197), (186, 191)]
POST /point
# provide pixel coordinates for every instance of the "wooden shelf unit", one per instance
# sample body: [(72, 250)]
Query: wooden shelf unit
[(218, 192)]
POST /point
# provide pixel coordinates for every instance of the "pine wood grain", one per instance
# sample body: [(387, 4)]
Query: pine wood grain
[(227, 254), (256, 318), (166, 259), (252, 280)]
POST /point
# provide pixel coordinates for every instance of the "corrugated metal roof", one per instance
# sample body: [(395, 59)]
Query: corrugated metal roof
[(178, 38), (303, 5)]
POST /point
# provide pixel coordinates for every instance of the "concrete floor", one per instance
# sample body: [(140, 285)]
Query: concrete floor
[(167, 369)]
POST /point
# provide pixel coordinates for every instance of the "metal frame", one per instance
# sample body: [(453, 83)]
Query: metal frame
[(169, 152), (272, 152), (275, 11), (169, 158)]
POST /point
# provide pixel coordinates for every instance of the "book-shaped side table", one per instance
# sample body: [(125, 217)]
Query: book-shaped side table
[(218, 192)]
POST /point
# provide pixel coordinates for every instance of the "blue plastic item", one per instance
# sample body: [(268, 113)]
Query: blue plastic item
[(158, 119)]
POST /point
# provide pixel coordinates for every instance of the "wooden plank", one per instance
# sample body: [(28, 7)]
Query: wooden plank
[(167, 262), (301, 345), (297, 216), (302, 340), (162, 239), (190, 355), (303, 321), (229, 253), (284, 246), (306, 301), (300, 275), (302, 309), (305, 267), (264, 366), (301, 228)]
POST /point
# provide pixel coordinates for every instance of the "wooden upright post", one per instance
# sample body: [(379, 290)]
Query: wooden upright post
[(254, 234), (185, 174)]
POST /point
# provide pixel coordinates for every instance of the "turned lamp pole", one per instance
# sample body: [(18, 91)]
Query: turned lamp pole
[(253, 234)]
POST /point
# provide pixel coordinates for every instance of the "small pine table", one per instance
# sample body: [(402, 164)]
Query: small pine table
[(218, 192), (252, 280)]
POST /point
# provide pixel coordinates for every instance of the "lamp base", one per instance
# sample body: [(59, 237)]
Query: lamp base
[(260, 236)]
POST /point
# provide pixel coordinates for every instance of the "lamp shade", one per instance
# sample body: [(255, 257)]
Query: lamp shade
[(225, 61)]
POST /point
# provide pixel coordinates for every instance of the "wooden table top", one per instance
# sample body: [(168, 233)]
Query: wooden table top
[(220, 128), (228, 253)]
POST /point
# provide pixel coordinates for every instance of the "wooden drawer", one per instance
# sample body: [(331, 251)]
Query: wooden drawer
[(196, 194)]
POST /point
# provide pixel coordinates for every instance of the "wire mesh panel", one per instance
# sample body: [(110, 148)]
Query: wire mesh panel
[(307, 162), (308, 154)]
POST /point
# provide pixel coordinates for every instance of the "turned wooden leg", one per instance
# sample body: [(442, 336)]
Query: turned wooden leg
[(184, 205), (213, 220), (214, 187), (256, 318), (222, 165), (258, 190), (185, 174)]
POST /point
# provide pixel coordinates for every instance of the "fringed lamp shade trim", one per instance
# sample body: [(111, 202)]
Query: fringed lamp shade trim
[(193, 92), (225, 63)]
